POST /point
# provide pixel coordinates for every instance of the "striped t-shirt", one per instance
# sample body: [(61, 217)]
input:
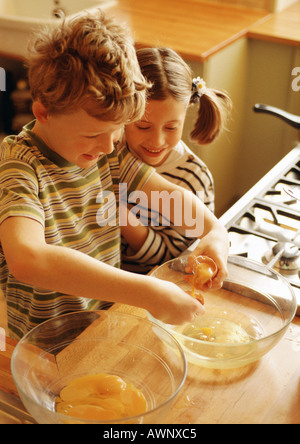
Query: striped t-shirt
[(72, 205), (163, 243)]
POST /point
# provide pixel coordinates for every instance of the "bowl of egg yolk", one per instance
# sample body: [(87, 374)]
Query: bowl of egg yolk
[(243, 320), (98, 367)]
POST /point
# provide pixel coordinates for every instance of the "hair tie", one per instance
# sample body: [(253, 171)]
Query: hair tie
[(198, 89)]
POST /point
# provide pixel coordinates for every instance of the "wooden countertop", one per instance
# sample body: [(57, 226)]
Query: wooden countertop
[(266, 392), (194, 28), (282, 27), (197, 29)]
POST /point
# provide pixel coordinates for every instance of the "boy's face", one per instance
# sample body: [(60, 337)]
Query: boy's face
[(78, 137), (154, 136)]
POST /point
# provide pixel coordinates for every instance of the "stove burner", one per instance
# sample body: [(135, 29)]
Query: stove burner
[(285, 256), (265, 223)]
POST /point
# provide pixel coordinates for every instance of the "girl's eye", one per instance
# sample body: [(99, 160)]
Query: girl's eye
[(143, 127), (171, 128)]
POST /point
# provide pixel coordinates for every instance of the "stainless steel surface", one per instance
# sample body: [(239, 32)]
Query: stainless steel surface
[(264, 225), (292, 193), (12, 410)]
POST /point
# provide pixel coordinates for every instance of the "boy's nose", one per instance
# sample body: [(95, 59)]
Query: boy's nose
[(108, 144)]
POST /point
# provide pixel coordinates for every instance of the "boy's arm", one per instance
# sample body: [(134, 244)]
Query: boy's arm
[(68, 271)]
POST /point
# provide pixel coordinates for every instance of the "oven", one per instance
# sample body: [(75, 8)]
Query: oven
[(264, 225)]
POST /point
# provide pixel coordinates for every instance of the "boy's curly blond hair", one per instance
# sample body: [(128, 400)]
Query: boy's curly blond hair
[(87, 62)]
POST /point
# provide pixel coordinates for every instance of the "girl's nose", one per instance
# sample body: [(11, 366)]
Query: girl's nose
[(157, 139)]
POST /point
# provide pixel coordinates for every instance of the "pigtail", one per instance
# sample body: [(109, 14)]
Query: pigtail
[(214, 107)]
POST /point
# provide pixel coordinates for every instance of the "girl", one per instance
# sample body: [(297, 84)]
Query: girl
[(156, 140)]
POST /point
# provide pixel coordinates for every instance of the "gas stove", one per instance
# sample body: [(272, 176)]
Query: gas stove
[(264, 225)]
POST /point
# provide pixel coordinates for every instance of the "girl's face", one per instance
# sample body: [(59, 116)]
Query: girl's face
[(152, 138)]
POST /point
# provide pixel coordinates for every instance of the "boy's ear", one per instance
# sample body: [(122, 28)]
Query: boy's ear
[(40, 112)]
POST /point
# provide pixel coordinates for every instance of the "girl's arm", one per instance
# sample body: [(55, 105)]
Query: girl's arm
[(133, 231), (195, 218), (68, 271), (144, 247)]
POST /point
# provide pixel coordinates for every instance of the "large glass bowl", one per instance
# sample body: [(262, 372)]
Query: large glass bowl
[(255, 305), (96, 342)]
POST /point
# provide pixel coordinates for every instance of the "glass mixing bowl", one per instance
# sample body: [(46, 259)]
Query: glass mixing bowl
[(95, 342), (242, 321)]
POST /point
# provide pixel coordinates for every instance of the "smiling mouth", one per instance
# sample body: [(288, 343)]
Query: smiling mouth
[(153, 151)]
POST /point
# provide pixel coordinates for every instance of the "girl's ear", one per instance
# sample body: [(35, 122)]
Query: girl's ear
[(40, 112)]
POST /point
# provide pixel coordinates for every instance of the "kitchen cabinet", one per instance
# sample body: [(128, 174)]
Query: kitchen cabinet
[(266, 139), (251, 71), (257, 68), (225, 70), (273, 54)]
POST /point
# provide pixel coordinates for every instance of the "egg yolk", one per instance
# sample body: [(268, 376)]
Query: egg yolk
[(203, 272), (100, 397)]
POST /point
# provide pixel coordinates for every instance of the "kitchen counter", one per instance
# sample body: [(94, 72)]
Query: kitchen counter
[(196, 29), (265, 392), (282, 27)]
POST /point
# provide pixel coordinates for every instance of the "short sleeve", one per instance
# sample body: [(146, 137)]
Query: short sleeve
[(19, 191), (133, 171)]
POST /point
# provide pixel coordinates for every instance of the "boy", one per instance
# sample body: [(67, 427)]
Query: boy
[(55, 177)]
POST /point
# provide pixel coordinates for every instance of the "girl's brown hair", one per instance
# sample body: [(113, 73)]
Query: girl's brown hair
[(87, 62), (171, 76)]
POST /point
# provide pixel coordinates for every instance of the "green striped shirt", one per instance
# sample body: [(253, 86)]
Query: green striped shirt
[(36, 182)]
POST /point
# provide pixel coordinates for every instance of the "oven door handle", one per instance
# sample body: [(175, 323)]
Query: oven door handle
[(291, 119)]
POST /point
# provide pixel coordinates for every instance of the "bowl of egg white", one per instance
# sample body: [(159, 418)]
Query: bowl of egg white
[(243, 320)]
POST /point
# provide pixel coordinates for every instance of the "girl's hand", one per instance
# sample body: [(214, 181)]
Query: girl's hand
[(170, 304), (215, 245)]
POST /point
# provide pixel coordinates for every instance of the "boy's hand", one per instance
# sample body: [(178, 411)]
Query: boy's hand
[(170, 304)]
